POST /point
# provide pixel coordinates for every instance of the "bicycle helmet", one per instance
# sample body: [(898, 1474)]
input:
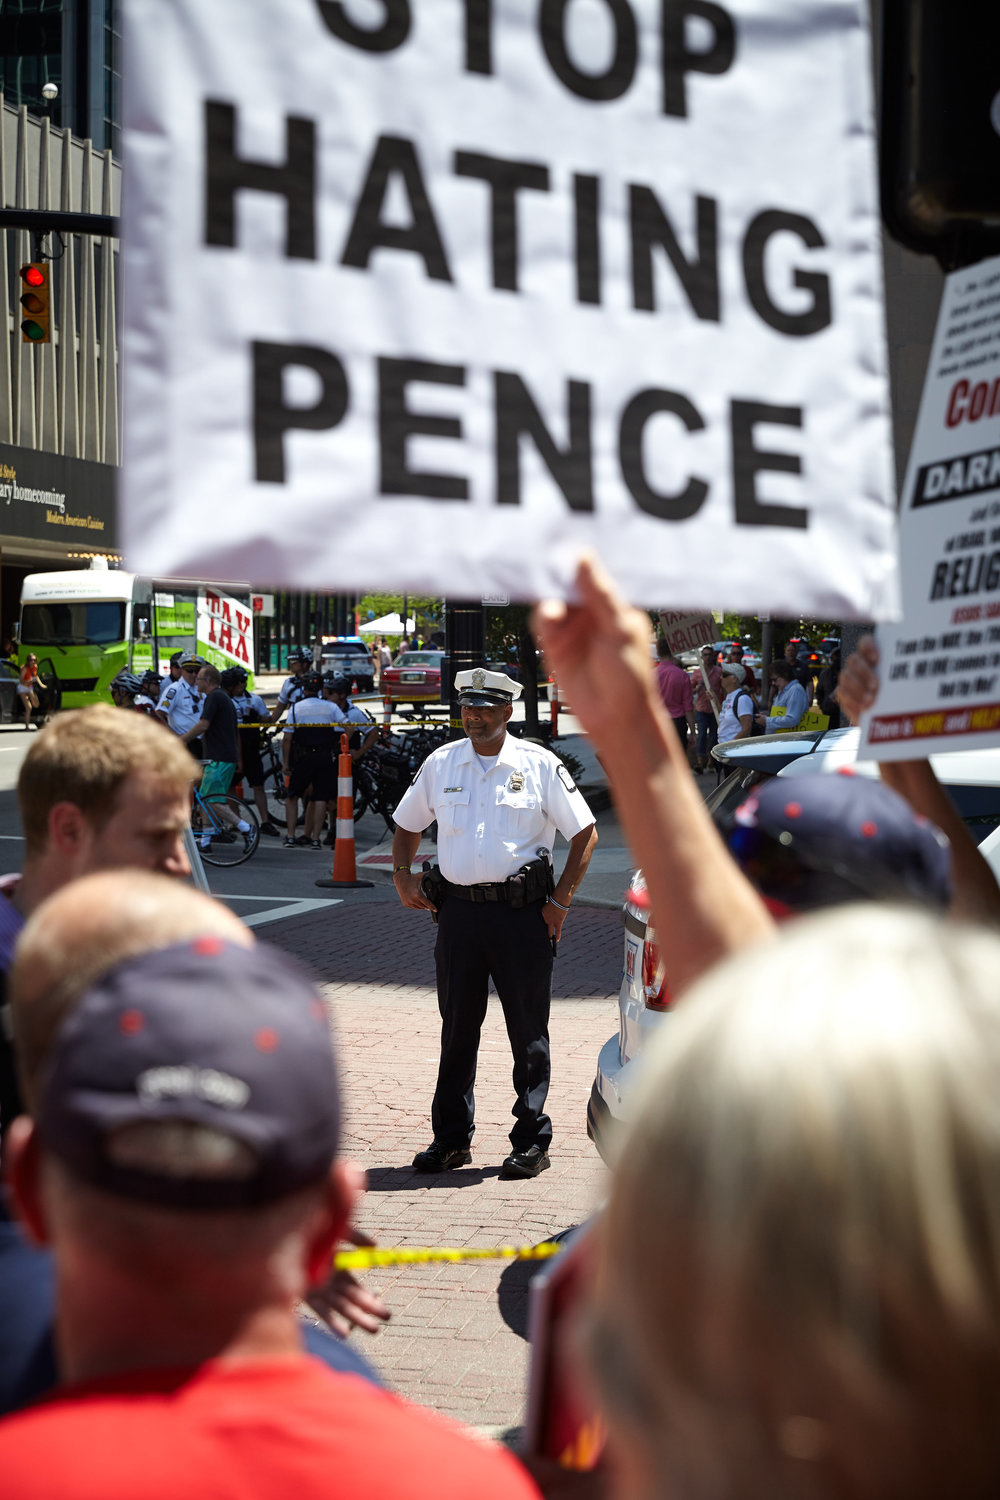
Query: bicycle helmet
[(299, 653), (126, 683), (233, 676), (311, 682), (337, 684), (151, 683)]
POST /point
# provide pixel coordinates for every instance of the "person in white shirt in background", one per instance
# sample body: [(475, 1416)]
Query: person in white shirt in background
[(737, 712)]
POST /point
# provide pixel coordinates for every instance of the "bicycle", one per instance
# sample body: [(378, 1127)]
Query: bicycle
[(274, 775), (383, 775), (226, 844)]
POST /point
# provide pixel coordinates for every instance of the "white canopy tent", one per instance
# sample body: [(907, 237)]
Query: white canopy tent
[(387, 625)]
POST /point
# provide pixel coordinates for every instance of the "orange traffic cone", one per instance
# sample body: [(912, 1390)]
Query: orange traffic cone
[(344, 868), (386, 713)]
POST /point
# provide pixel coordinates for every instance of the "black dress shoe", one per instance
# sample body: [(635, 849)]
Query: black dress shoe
[(526, 1163), (441, 1158)]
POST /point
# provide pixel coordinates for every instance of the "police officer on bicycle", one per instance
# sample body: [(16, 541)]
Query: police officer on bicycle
[(498, 802), (291, 690)]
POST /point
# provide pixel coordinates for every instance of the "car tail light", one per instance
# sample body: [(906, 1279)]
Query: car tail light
[(656, 991)]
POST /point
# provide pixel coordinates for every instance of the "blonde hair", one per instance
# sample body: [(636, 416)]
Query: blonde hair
[(798, 1286), (84, 757)]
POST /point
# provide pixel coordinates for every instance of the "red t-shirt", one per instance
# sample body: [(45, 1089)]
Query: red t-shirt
[(280, 1429)]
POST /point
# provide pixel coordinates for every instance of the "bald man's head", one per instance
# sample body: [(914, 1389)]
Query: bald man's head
[(87, 928)]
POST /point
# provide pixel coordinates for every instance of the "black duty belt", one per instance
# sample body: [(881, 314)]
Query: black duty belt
[(493, 890), (531, 883)]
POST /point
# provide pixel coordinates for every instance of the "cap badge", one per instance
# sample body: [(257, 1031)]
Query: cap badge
[(479, 679)]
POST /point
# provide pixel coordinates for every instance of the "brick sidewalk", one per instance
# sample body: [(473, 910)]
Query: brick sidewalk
[(456, 1341)]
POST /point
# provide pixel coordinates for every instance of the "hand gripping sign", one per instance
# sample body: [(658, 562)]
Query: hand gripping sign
[(433, 293)]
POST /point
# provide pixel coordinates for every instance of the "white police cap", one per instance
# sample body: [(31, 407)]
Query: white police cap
[(480, 686)]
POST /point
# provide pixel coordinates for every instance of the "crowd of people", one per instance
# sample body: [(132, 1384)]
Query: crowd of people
[(222, 722), (794, 1287), (720, 700)]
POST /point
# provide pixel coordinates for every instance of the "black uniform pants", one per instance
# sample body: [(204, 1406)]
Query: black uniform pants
[(510, 945)]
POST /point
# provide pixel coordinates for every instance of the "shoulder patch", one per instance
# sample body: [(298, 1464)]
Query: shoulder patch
[(565, 778)]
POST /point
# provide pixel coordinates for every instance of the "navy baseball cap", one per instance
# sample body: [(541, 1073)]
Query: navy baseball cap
[(820, 840), (207, 1032)]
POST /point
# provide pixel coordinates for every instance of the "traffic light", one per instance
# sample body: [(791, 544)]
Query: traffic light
[(940, 136), (35, 301)]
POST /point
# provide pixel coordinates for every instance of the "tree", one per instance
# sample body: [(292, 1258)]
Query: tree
[(426, 612)]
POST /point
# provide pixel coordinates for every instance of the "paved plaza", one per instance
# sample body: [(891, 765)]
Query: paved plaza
[(457, 1339)]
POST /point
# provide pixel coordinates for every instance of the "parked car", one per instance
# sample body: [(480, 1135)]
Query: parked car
[(348, 656), (414, 677), (972, 778), (827, 646)]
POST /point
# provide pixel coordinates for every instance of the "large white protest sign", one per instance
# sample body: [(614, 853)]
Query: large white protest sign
[(433, 293), (940, 669)]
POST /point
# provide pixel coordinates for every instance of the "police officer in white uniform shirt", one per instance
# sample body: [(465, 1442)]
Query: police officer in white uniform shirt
[(498, 802), (309, 748), (180, 702), (291, 690), (337, 690)]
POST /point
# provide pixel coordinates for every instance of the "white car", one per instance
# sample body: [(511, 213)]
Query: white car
[(348, 656), (972, 778)]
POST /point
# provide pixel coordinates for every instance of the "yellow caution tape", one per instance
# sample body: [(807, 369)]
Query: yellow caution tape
[(368, 1260)]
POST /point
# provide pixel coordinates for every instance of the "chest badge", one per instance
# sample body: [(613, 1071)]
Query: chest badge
[(516, 782)]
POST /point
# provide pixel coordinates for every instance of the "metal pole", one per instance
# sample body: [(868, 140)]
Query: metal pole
[(46, 221), (766, 652), (465, 645), (198, 875)]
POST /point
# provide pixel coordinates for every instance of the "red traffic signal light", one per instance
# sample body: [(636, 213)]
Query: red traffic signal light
[(35, 301)]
